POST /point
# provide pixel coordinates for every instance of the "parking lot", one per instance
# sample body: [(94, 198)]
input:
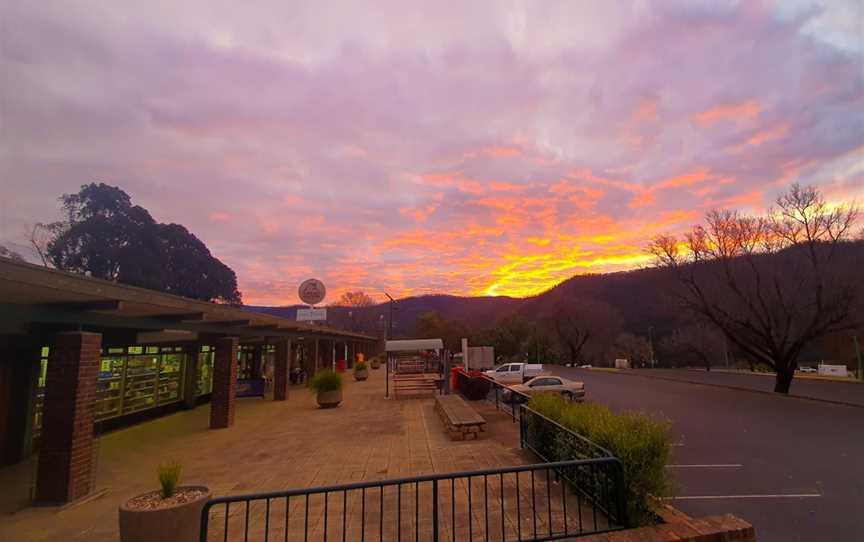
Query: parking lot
[(793, 467)]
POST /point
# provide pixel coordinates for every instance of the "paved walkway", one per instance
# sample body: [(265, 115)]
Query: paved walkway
[(272, 446)]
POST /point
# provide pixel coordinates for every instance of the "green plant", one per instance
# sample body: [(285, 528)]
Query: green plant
[(326, 381), (169, 478), (360, 366), (640, 441)]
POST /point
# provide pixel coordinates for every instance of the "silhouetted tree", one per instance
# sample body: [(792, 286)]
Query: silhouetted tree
[(772, 284), (634, 348), (698, 340), (105, 236), (11, 254), (431, 325), (355, 299), (579, 324)]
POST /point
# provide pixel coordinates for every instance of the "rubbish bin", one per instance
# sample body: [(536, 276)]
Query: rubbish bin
[(454, 378), (340, 365)]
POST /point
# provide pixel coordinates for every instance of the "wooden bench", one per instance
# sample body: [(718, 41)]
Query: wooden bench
[(460, 420)]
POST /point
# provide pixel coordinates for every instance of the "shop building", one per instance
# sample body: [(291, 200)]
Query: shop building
[(81, 356)]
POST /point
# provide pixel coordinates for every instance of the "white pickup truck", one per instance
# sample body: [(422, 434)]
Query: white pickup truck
[(515, 373)]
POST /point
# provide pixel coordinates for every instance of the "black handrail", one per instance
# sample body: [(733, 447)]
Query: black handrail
[(605, 468)]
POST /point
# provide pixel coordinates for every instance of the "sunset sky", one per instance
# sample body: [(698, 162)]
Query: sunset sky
[(475, 148)]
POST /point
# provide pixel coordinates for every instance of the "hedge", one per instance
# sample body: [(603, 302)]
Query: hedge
[(640, 441)]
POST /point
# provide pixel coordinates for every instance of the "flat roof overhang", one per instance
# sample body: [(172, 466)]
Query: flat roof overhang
[(36, 295)]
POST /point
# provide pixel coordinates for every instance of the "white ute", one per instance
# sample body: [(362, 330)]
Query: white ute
[(515, 373)]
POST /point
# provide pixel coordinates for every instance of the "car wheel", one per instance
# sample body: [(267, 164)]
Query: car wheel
[(567, 395)]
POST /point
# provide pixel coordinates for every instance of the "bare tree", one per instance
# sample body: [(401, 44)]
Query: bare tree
[(578, 321), (355, 299), (357, 303), (702, 341), (11, 254), (772, 284), (40, 236), (633, 347)]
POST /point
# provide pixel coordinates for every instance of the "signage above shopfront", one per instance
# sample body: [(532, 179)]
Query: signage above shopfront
[(311, 315), (312, 292)]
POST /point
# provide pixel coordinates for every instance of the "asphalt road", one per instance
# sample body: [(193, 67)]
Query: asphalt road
[(793, 468), (846, 392)]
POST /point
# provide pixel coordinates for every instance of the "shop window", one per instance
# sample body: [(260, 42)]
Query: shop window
[(170, 378), (205, 370), (109, 387), (39, 402)]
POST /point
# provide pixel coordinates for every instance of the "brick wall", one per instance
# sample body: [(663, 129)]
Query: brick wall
[(680, 527), (65, 470), (224, 383)]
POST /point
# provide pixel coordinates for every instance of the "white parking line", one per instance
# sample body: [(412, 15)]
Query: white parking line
[(766, 496), (707, 466)]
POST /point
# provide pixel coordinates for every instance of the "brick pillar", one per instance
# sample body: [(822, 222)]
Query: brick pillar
[(281, 366), (65, 471), (224, 383)]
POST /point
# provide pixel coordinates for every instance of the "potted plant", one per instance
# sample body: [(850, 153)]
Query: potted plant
[(376, 361), (171, 514), (327, 385), (361, 371)]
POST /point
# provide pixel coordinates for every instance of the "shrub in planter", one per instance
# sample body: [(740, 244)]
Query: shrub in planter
[(640, 441), (172, 514), (327, 385), (376, 361), (361, 371)]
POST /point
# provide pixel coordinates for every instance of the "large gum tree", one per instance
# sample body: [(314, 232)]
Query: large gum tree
[(772, 284)]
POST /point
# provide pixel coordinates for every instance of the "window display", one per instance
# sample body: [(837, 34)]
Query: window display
[(109, 387), (140, 383), (205, 370)]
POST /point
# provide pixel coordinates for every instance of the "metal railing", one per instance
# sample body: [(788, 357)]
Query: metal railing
[(504, 398), (552, 442), (524, 503)]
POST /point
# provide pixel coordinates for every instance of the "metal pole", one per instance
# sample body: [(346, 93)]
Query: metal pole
[(651, 344), (388, 336), (858, 355)]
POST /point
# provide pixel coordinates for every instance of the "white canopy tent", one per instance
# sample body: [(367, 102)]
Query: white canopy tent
[(414, 345), (409, 345)]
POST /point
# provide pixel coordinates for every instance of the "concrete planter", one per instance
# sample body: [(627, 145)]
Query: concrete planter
[(362, 374), (173, 523), (376, 364), (329, 399)]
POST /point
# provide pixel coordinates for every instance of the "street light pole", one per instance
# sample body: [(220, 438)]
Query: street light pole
[(651, 344), (858, 355)]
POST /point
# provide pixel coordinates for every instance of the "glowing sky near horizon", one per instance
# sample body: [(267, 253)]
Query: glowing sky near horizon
[(477, 148)]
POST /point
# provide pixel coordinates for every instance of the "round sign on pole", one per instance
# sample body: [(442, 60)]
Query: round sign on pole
[(312, 291)]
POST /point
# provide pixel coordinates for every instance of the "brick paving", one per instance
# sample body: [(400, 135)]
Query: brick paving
[(282, 445)]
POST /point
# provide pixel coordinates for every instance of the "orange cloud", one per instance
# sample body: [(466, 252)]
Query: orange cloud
[(689, 179), (463, 184), (734, 111), (646, 109), (777, 132), (502, 152), (643, 199), (219, 216)]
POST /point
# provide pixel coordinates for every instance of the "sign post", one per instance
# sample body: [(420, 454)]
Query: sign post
[(311, 292)]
